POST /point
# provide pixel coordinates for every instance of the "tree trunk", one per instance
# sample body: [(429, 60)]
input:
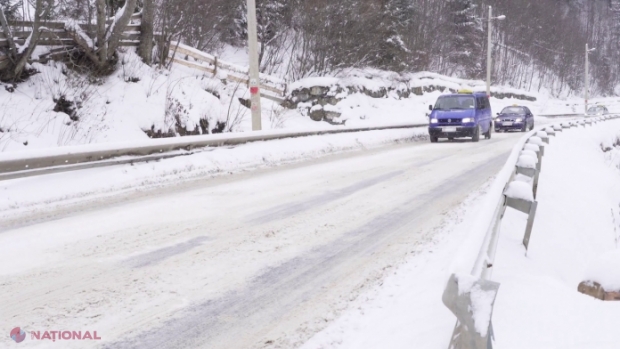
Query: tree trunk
[(146, 29), (102, 46), (9, 36), (119, 27), (19, 56)]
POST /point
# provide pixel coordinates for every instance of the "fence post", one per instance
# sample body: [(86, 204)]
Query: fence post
[(215, 67)]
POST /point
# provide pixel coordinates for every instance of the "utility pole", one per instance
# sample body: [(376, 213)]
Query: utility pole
[(490, 47), (587, 94), (254, 69)]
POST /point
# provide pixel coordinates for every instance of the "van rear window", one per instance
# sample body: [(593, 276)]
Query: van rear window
[(455, 102)]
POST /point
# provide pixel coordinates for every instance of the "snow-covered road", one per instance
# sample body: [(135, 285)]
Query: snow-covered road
[(260, 259)]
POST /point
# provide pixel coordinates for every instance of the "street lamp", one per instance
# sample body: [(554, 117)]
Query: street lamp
[(489, 63), (254, 82), (587, 76)]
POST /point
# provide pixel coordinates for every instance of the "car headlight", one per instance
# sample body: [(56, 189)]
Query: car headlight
[(434, 121), (498, 120), (519, 120), (467, 120)]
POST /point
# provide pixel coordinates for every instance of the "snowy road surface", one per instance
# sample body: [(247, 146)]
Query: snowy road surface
[(261, 259)]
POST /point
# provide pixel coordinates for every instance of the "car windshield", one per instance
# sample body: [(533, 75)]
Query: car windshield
[(596, 109), (513, 110), (455, 102)]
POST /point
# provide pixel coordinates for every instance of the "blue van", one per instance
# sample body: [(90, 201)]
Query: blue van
[(463, 114)]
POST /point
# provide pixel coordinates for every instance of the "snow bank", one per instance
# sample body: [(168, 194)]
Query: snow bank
[(138, 102), (572, 231), (605, 270), (26, 193), (520, 190)]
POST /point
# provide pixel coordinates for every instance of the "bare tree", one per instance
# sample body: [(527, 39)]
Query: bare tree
[(146, 30), (18, 54), (108, 34)]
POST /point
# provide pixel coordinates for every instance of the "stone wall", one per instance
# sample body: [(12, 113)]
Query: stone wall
[(319, 101)]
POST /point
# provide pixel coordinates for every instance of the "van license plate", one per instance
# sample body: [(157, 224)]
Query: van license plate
[(448, 129)]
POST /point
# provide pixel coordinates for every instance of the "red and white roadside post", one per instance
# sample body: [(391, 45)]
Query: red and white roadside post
[(254, 83), (587, 76)]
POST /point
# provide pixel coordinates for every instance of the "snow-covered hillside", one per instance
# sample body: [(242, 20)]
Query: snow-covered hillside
[(58, 106)]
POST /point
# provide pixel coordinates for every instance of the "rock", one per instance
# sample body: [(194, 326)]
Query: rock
[(303, 95), (375, 94), (331, 115), (289, 104), (317, 113), (403, 94), (352, 89), (328, 101), (318, 90), (594, 289)]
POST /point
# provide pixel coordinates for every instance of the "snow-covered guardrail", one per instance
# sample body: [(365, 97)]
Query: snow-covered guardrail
[(561, 115), (469, 294), (61, 159)]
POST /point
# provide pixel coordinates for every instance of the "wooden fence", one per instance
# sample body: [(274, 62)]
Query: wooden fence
[(195, 59), (55, 34), (63, 42)]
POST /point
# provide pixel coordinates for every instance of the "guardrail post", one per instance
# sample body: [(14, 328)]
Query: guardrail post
[(468, 332), (215, 66), (529, 208), (530, 224)]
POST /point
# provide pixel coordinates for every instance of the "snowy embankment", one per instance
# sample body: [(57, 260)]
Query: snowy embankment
[(28, 193), (575, 239)]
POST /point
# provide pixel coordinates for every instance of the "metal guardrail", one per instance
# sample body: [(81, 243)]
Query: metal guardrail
[(18, 165), (457, 295), (561, 115)]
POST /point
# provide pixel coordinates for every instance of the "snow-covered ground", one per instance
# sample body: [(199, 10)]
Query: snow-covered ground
[(356, 246), (538, 305), (26, 194), (267, 256), (167, 254)]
